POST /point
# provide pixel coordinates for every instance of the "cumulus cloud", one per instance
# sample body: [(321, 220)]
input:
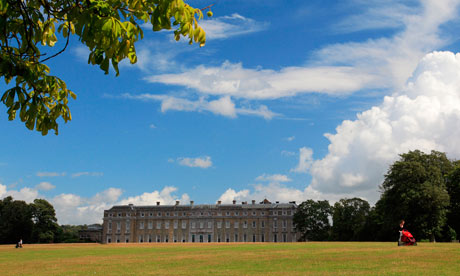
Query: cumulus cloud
[(337, 69), (223, 106), (424, 115), (27, 194), (45, 186), (203, 162), (305, 160), (165, 196), (273, 178), (277, 192)]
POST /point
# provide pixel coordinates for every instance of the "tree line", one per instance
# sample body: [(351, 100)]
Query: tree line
[(422, 189), (33, 223)]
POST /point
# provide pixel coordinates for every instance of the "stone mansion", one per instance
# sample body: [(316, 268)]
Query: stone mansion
[(253, 222)]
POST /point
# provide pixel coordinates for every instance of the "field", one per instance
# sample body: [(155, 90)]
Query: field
[(334, 258)]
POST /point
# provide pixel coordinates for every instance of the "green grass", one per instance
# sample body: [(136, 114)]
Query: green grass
[(334, 258)]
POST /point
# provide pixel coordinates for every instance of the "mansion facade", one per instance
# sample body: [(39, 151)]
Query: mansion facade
[(253, 222)]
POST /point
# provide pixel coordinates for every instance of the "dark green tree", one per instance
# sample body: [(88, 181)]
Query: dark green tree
[(453, 188), (414, 189), (45, 223), (15, 221), (349, 219), (312, 220)]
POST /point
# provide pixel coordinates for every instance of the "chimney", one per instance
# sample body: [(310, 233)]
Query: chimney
[(177, 202), (191, 202), (244, 202), (158, 203), (219, 202), (234, 201), (277, 202), (253, 201)]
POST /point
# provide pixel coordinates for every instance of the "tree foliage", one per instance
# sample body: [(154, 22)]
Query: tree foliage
[(45, 222), (312, 220), (109, 28), (349, 218), (15, 221), (414, 189)]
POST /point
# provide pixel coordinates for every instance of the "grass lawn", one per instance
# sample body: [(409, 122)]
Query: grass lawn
[(327, 258)]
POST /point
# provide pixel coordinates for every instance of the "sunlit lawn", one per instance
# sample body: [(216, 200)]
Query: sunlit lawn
[(334, 258)]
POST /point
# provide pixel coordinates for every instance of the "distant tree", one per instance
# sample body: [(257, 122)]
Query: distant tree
[(15, 221), (453, 188), (108, 28), (45, 221), (414, 189), (349, 219), (69, 233), (312, 220)]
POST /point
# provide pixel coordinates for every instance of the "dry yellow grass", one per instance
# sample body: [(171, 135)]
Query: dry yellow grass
[(335, 258)]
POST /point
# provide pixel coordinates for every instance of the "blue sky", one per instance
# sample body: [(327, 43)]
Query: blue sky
[(288, 100)]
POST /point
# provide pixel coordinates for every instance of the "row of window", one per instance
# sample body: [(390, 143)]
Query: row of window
[(194, 225), (176, 214), (207, 238)]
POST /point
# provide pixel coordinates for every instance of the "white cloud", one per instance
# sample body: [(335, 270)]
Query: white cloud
[(51, 174), (424, 115), (287, 153), (198, 162), (164, 196), (273, 178), (228, 26), (78, 174), (223, 106), (45, 186), (338, 69), (290, 139), (152, 126), (277, 192), (305, 160), (26, 194)]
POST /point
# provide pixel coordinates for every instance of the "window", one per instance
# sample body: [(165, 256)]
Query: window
[(219, 224), (128, 226), (110, 226), (284, 238), (245, 224), (149, 238), (209, 238), (175, 214), (184, 224), (175, 224), (193, 237), (236, 238), (253, 238), (284, 224), (118, 239), (219, 214), (193, 225), (127, 239), (141, 225), (245, 213), (158, 224), (262, 238), (275, 238), (228, 213), (150, 225), (184, 214), (227, 238), (158, 238), (128, 214), (142, 214), (166, 238), (175, 238), (166, 224), (151, 215), (289, 213), (159, 214), (275, 225), (201, 225), (284, 213), (141, 238), (262, 224), (167, 214), (118, 226), (119, 214), (262, 213), (254, 213), (227, 224), (236, 224), (253, 224), (279, 213), (209, 224), (237, 213), (244, 238)]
